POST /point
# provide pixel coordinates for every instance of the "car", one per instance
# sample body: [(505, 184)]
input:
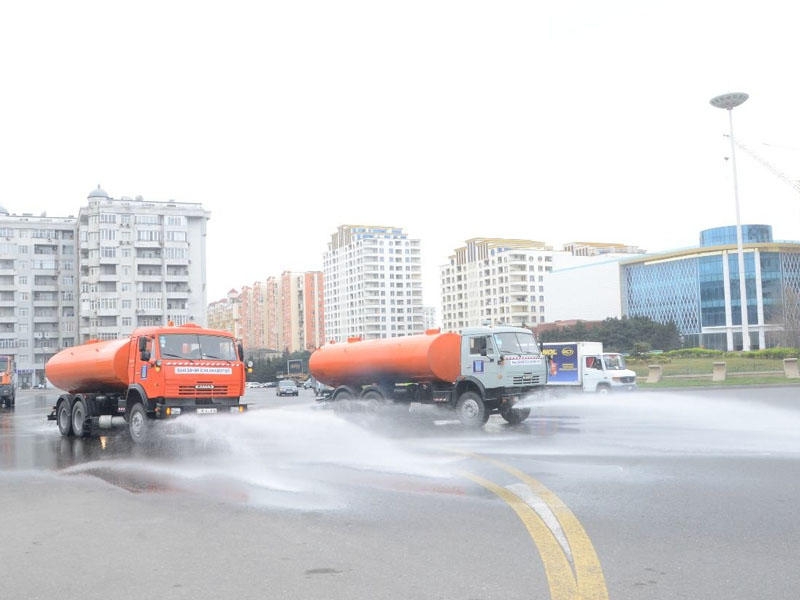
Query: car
[(287, 387)]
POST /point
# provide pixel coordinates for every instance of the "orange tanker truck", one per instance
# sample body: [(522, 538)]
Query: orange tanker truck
[(477, 371), (156, 373)]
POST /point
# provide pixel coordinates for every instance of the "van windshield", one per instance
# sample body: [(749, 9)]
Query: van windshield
[(614, 362)]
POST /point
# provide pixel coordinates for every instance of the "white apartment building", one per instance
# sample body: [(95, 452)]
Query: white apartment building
[(373, 283), (141, 263), (38, 290), (495, 280)]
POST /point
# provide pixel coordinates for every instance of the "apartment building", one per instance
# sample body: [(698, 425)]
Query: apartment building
[(38, 290), (373, 283), (224, 314), (312, 313), (495, 280), (280, 314), (141, 263)]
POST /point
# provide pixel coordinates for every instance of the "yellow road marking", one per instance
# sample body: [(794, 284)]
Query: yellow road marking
[(556, 567), (588, 579)]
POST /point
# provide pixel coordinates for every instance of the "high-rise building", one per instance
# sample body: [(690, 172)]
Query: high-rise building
[(312, 324), (301, 311), (495, 280), (38, 290), (141, 263), (373, 283)]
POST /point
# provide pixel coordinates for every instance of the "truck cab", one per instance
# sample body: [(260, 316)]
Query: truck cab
[(502, 364)]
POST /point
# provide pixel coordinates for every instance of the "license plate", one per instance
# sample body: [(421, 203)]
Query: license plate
[(206, 411)]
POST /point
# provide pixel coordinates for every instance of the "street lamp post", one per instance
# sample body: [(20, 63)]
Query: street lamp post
[(729, 102)]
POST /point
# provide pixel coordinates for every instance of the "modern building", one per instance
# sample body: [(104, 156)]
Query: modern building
[(698, 289), (141, 263), (373, 283), (495, 280), (38, 290)]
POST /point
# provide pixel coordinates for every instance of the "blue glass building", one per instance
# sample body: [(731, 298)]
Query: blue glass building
[(698, 289)]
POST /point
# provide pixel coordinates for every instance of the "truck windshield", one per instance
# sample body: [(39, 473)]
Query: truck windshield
[(192, 346), (3, 364), (512, 342), (614, 362)]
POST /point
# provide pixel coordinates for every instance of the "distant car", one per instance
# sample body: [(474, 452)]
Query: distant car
[(287, 387)]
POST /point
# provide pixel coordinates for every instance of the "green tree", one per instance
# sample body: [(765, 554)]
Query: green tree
[(619, 335)]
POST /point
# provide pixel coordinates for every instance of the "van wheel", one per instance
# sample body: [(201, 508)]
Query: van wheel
[(64, 418), (471, 410)]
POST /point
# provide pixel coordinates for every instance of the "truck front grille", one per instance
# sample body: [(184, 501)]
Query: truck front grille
[(190, 391)]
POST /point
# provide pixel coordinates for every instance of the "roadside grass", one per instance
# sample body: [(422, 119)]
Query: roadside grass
[(693, 372)]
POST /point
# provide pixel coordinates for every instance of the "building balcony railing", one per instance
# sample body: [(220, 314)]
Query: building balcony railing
[(45, 287), (45, 303), (50, 319)]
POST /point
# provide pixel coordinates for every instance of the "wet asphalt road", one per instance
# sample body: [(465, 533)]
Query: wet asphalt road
[(647, 495)]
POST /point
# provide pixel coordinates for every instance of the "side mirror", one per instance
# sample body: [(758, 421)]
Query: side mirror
[(240, 350), (142, 344), (144, 356)]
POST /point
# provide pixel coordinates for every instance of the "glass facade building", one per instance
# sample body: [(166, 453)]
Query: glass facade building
[(698, 289)]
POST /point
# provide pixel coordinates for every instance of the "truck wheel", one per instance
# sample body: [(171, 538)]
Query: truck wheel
[(64, 418), (343, 395), (603, 389), (343, 398), (471, 410), (138, 426), (515, 415), (80, 426), (373, 400)]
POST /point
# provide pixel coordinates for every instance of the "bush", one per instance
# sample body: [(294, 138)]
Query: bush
[(773, 353), (695, 353)]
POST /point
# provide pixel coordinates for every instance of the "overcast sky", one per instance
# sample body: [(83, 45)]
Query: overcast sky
[(551, 121)]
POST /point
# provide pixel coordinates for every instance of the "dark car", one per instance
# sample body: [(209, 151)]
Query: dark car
[(287, 387)]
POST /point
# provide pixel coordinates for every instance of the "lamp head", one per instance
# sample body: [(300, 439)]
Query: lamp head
[(729, 101)]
